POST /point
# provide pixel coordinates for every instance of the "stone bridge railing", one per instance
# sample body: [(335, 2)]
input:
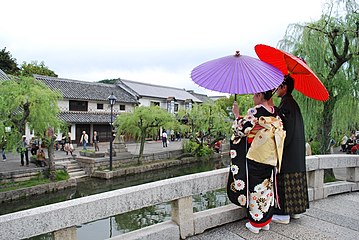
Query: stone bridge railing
[(62, 218)]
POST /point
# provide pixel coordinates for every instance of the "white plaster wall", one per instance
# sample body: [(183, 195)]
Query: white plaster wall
[(63, 105)]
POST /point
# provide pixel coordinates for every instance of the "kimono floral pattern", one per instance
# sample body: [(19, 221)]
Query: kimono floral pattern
[(250, 183), (261, 199)]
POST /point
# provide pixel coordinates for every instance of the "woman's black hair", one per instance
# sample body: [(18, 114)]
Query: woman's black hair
[(268, 94)]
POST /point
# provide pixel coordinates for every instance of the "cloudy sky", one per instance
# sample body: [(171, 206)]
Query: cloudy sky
[(152, 41)]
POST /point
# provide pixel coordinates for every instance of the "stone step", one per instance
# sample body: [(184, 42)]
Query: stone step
[(77, 174), (74, 169)]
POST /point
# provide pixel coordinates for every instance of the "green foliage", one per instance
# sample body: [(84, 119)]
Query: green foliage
[(109, 81), (144, 121), (61, 175), (8, 63), (189, 146), (330, 48), (26, 101), (28, 69), (205, 151), (315, 146), (35, 181)]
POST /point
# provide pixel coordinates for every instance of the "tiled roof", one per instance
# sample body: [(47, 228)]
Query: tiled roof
[(156, 91), (3, 76), (85, 117), (202, 97), (74, 89)]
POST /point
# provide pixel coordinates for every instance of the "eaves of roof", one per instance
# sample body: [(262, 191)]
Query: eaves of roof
[(157, 91), (81, 90), (85, 117)]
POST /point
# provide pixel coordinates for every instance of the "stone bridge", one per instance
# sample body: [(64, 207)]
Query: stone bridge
[(62, 218)]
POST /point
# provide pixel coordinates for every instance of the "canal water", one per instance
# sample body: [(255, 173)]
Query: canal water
[(116, 225)]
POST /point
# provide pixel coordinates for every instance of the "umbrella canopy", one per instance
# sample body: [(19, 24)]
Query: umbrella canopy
[(237, 74), (305, 80)]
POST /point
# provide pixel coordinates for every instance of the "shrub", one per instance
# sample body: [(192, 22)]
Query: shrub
[(315, 146), (61, 175)]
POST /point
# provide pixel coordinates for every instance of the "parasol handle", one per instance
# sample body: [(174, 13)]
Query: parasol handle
[(235, 97)]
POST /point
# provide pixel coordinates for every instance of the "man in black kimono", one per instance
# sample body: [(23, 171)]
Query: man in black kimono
[(292, 180)]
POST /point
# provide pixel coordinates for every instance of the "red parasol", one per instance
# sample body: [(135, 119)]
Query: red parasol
[(305, 80)]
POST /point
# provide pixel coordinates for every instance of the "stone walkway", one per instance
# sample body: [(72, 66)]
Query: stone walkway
[(335, 217), (12, 162)]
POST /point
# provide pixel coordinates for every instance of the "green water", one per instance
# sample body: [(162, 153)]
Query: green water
[(106, 228)]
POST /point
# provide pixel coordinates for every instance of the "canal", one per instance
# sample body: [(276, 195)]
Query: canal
[(116, 225)]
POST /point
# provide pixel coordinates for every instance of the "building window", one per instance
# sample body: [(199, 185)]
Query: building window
[(155, 104), (122, 107), (176, 107), (78, 105), (99, 105)]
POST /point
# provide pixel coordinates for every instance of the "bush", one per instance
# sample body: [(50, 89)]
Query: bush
[(315, 146), (61, 175), (190, 147)]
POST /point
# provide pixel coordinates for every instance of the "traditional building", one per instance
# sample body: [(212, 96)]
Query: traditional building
[(85, 105), (170, 98)]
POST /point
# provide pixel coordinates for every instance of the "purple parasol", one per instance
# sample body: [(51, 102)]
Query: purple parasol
[(237, 74)]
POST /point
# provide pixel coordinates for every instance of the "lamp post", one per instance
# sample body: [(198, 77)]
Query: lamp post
[(112, 100)]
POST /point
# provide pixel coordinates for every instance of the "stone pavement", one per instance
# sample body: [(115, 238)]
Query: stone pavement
[(12, 162), (335, 217)]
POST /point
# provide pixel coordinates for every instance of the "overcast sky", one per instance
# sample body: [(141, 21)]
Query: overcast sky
[(152, 41)]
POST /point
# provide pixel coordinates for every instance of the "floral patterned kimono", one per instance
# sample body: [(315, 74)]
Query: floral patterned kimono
[(256, 152)]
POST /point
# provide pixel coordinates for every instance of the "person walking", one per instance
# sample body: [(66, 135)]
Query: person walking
[(68, 147), (164, 139), (84, 139), (292, 179), (3, 146), (23, 149), (95, 140), (256, 148)]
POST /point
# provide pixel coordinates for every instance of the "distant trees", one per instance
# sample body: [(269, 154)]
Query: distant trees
[(8, 63), (28, 69)]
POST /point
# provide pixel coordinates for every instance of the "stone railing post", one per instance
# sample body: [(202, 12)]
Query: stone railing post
[(316, 181), (182, 214), (353, 174), (66, 233)]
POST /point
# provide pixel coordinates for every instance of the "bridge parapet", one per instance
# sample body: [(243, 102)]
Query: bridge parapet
[(62, 218)]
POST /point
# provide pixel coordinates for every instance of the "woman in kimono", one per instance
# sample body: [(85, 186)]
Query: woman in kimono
[(256, 151)]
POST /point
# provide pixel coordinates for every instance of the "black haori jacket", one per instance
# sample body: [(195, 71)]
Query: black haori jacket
[(294, 143)]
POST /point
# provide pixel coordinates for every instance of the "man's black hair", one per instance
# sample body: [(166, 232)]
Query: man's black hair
[(289, 81)]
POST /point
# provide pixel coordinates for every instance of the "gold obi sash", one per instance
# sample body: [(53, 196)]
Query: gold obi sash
[(267, 145)]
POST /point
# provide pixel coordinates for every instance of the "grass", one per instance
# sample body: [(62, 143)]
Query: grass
[(38, 180)]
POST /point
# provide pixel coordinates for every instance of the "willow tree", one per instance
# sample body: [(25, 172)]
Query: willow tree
[(143, 122), (207, 123), (27, 101), (330, 48)]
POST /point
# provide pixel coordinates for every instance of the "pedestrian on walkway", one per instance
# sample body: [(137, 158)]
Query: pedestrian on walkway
[(84, 139), (68, 147), (2, 146), (164, 139), (292, 179), (96, 140), (23, 149)]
